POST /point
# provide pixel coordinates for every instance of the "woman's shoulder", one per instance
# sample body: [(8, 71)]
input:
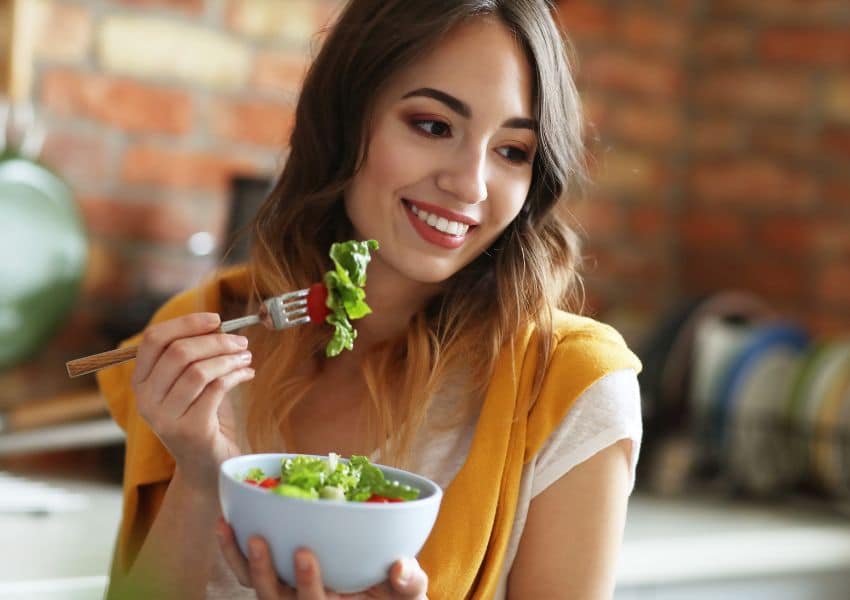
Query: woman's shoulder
[(584, 351), (575, 334)]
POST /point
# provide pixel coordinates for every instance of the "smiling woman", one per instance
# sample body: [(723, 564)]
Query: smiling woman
[(450, 132)]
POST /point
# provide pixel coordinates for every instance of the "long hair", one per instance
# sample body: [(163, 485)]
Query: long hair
[(529, 270)]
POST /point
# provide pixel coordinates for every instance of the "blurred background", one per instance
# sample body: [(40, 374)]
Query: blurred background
[(139, 136)]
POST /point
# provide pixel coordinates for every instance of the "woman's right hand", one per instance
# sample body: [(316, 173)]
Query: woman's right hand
[(184, 369)]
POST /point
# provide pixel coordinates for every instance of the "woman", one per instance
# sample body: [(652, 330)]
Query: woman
[(467, 370)]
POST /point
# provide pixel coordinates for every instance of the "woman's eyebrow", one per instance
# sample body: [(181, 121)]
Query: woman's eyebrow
[(462, 108)]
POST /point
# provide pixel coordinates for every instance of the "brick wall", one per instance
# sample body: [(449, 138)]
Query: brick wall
[(720, 137), (151, 106), (721, 143)]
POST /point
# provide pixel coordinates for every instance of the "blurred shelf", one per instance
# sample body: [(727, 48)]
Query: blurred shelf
[(97, 432)]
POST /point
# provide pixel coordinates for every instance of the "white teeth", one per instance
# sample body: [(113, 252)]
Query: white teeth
[(440, 223)]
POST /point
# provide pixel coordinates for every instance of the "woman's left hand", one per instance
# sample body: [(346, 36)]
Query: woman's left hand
[(407, 580)]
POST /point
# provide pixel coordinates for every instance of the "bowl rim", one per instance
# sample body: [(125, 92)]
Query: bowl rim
[(407, 504)]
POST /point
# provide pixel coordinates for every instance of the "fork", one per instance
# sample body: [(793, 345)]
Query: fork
[(276, 313)]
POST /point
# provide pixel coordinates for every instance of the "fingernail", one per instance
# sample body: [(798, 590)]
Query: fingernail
[(302, 563), (242, 341), (244, 358), (404, 573), (256, 550)]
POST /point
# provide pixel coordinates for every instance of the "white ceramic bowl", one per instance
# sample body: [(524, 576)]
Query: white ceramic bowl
[(356, 543)]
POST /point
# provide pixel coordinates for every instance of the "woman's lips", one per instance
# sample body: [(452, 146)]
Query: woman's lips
[(432, 235)]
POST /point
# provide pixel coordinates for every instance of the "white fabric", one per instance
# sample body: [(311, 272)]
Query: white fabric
[(608, 411)]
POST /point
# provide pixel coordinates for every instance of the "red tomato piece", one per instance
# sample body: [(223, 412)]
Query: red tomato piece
[(382, 499), (317, 308), (269, 482)]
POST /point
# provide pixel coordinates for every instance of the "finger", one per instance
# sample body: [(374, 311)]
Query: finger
[(208, 402), (183, 354), (232, 555), (196, 377), (408, 579), (157, 338), (263, 576), (308, 577)]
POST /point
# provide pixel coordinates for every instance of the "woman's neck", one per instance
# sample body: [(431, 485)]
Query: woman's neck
[(394, 299)]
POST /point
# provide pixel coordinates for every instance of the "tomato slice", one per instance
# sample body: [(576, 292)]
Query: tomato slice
[(269, 482), (317, 309), (382, 499)]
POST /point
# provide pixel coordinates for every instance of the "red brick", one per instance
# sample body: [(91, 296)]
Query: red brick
[(170, 222), (279, 72), (754, 90), (792, 11), (599, 217), (784, 141), (628, 72), (192, 7), (716, 136), (836, 193), (596, 112), (585, 19), (752, 182), (836, 142), (254, 121), (650, 223), (626, 171), (653, 31), (153, 165), (120, 103), (833, 285), (84, 159), (707, 229), (724, 41), (705, 271), (629, 264), (807, 46), (830, 238), (785, 236), (649, 125), (824, 323)]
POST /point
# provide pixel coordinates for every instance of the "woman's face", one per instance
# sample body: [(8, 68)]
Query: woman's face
[(450, 155)]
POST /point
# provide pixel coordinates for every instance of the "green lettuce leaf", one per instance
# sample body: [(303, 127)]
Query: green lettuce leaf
[(346, 296)]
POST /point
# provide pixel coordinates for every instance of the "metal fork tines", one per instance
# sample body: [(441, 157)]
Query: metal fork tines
[(279, 312)]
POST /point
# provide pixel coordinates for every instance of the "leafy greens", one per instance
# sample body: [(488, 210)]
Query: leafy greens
[(346, 296)]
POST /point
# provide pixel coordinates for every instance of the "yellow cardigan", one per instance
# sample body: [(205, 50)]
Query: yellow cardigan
[(465, 551)]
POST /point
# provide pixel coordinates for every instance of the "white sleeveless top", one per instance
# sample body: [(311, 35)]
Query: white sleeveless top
[(608, 411)]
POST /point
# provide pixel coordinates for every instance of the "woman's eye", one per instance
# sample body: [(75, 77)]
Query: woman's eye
[(432, 127), (514, 154)]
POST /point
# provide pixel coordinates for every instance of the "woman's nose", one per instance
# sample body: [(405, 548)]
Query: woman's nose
[(465, 176)]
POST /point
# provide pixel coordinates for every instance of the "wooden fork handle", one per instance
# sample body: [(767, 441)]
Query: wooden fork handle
[(96, 362)]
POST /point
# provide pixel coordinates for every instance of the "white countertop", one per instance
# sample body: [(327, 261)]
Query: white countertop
[(67, 554), (675, 540)]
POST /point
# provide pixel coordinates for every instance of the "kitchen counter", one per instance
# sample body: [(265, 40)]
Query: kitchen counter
[(673, 548)]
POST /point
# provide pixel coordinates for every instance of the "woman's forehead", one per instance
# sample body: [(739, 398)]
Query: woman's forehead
[(481, 62)]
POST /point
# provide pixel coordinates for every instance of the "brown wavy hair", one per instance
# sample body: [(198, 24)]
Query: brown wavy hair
[(530, 269)]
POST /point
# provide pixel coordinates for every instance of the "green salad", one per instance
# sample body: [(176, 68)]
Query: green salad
[(313, 478), (346, 296)]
